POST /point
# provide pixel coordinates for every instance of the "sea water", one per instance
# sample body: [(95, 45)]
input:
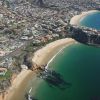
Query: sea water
[(80, 66), (91, 20)]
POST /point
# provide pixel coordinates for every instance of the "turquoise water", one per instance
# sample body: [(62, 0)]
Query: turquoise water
[(92, 20), (78, 64)]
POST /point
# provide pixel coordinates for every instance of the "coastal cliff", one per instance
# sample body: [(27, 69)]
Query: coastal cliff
[(84, 35)]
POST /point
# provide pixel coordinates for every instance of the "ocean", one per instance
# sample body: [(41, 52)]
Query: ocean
[(79, 66), (92, 20)]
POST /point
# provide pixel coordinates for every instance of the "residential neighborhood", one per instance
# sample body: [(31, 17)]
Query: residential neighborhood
[(25, 27)]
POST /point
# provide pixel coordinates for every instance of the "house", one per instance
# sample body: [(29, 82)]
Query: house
[(3, 71), (2, 53), (24, 38), (24, 67)]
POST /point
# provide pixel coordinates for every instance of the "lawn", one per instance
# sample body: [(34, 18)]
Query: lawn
[(6, 76)]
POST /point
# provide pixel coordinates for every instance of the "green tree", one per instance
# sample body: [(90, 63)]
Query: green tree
[(38, 2)]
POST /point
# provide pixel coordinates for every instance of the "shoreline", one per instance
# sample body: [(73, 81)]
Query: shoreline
[(76, 19), (55, 56), (41, 57)]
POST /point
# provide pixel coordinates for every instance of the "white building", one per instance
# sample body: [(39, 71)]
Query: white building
[(3, 71)]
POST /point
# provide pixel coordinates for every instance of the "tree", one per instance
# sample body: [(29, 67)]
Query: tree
[(38, 2)]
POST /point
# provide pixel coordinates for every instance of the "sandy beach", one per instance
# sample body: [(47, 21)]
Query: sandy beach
[(75, 20), (41, 57)]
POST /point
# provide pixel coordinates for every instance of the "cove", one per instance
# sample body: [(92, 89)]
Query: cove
[(91, 20)]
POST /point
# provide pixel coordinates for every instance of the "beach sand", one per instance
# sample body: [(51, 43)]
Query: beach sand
[(41, 57), (75, 20)]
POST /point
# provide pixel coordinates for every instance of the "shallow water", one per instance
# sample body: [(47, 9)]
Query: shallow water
[(79, 65), (92, 20)]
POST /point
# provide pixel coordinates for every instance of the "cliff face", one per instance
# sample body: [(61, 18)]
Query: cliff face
[(85, 35)]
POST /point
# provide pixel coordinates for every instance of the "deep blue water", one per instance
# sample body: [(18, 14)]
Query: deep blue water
[(92, 20)]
